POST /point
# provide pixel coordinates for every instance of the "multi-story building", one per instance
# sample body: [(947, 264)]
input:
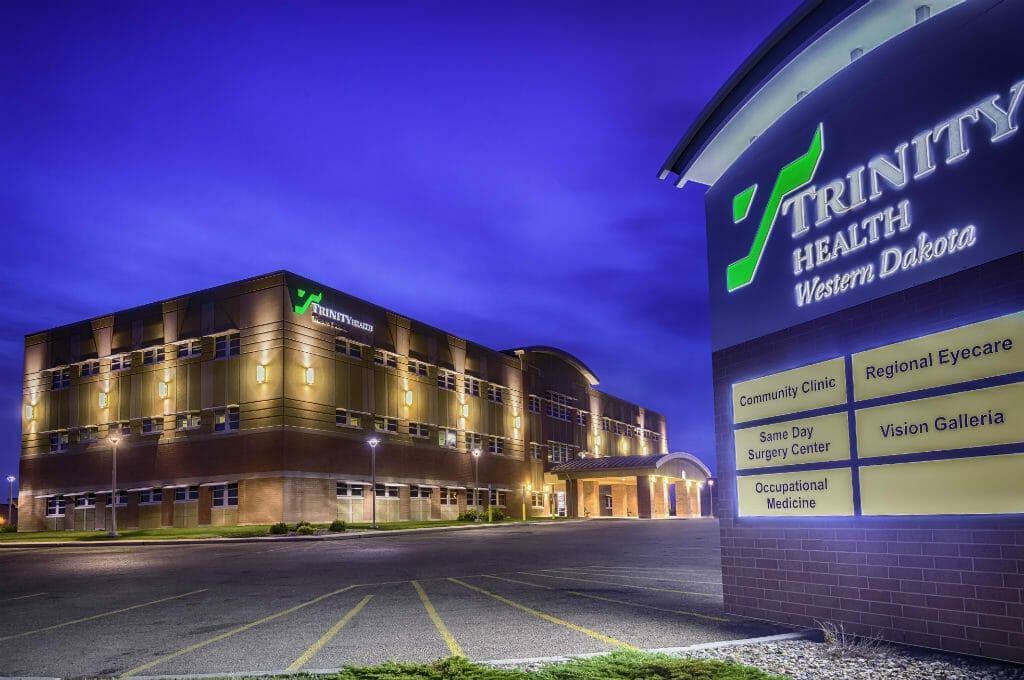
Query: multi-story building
[(254, 402)]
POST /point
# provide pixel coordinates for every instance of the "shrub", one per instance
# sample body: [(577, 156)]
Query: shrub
[(301, 524), (305, 529), (468, 516), (497, 514), (337, 525), (279, 528)]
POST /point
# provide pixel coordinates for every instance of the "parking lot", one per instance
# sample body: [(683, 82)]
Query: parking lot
[(507, 592)]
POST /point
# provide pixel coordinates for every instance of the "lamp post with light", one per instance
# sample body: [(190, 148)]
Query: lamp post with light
[(373, 441), (711, 496), (114, 441), (476, 482), (10, 499), (526, 487)]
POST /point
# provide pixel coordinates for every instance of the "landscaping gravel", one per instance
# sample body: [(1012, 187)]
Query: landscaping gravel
[(805, 660)]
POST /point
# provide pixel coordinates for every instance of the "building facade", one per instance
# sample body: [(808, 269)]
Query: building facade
[(253, 403)]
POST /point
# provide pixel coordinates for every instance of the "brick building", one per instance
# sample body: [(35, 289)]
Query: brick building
[(253, 402)]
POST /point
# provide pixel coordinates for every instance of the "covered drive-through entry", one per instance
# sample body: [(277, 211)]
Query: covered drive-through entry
[(629, 486)]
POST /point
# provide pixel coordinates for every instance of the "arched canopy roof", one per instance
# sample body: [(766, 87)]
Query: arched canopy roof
[(561, 354), (679, 465)]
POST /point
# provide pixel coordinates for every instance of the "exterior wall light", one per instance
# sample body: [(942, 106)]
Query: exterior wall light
[(104, 400), (519, 422), (465, 410), (309, 376), (30, 412), (408, 397), (261, 374), (162, 389)]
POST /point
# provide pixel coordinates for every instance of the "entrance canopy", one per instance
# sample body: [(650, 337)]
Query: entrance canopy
[(676, 465)]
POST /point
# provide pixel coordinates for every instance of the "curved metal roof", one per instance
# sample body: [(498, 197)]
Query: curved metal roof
[(814, 43), (621, 464), (561, 354)]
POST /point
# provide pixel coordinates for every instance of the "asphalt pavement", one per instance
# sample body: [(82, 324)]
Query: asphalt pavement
[(508, 592)]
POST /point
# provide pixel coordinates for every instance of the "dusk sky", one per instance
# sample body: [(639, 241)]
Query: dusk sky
[(487, 168)]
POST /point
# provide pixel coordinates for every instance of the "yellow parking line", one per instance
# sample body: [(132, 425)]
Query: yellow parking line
[(640, 578), (621, 585), (222, 636), (99, 616), (446, 635), (547, 617), (308, 654), (609, 599), (22, 597)]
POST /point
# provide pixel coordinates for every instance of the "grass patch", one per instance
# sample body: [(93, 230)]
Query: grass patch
[(623, 665), (139, 534)]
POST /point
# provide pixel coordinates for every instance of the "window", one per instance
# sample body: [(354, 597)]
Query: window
[(385, 424), (495, 445), (617, 427), (605, 424), (581, 418), (534, 404), (418, 429), (558, 406), (420, 492), (151, 495), (121, 362), (55, 506), (385, 491), (187, 421), (60, 378), (59, 441), (472, 386), (475, 497), (655, 437), (229, 345), (473, 441), (446, 380), (417, 367), (86, 501), (345, 418), (558, 452), (536, 452), (88, 434), (185, 494), (499, 497), (225, 419), (123, 428), (537, 499), (153, 356), (496, 393), (382, 358), (121, 498), (225, 495), (346, 347), (449, 497), (349, 490), (190, 348), (89, 368), (447, 438), (152, 425)]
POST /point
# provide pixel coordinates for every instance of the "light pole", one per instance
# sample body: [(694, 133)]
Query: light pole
[(373, 478), (114, 440), (711, 496), (10, 499), (476, 482)]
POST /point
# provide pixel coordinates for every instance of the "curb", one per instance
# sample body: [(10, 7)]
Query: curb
[(358, 534)]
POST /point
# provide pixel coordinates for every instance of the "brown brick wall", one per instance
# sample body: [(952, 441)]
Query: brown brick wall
[(951, 583), (260, 501)]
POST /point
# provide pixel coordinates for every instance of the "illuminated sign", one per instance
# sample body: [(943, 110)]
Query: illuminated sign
[(800, 389), (807, 494), (809, 440), (325, 315)]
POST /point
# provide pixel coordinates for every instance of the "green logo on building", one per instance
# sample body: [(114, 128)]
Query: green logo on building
[(790, 178), (314, 298)]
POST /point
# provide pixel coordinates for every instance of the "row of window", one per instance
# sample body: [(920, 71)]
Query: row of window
[(223, 495), (227, 345), (224, 420), (447, 496), (446, 437)]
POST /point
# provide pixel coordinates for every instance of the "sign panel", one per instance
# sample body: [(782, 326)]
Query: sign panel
[(963, 486), (793, 442), (814, 493), (845, 199), (980, 350), (985, 417), (800, 389)]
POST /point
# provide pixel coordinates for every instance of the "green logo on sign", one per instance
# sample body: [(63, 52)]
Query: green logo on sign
[(791, 177), (313, 298)]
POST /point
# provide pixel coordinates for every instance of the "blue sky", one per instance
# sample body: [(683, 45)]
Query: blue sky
[(488, 168)]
